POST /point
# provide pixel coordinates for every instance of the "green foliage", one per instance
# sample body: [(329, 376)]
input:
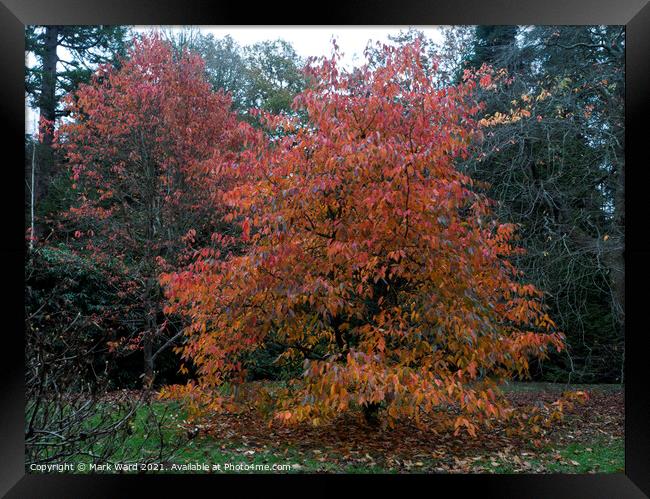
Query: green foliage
[(266, 75), (80, 50), (80, 303), (80, 285), (275, 76), (225, 66), (66, 300)]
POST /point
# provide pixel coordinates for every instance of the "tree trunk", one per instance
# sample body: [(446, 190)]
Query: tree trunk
[(371, 413), (148, 361), (150, 332), (47, 110), (47, 101), (151, 291)]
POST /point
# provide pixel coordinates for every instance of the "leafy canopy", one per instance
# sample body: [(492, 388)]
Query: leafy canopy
[(369, 257), (148, 146)]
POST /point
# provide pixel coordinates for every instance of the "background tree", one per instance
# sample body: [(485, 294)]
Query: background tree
[(149, 147), (65, 57), (266, 75), (371, 259), (493, 45), (275, 75), (553, 157), (226, 68)]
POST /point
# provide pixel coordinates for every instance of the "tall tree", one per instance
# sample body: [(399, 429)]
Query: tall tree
[(275, 75), (150, 146), (493, 46), (371, 258), (266, 75), (226, 67), (553, 157), (64, 57)]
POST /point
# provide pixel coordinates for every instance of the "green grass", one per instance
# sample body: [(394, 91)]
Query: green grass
[(603, 454), (536, 387), (209, 451), (142, 445), (606, 455)]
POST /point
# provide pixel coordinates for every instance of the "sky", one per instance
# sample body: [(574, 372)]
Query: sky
[(315, 40), (307, 41)]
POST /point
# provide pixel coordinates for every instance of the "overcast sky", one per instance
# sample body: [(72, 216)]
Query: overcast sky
[(315, 40), (307, 41)]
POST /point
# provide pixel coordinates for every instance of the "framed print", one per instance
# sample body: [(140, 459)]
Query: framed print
[(402, 243)]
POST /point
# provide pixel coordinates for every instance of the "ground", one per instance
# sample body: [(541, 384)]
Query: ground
[(589, 440)]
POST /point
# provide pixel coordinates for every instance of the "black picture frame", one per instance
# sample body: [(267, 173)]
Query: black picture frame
[(634, 14)]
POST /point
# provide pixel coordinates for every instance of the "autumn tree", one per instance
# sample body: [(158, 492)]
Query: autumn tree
[(64, 57), (149, 146), (370, 257)]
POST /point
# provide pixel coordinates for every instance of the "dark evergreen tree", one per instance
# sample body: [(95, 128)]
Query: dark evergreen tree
[(493, 46), (558, 171), (65, 56)]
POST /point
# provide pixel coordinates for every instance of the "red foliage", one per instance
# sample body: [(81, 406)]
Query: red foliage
[(370, 256), (151, 148)]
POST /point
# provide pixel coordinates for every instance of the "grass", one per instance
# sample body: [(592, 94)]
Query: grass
[(600, 456), (606, 456), (594, 453), (536, 387)]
